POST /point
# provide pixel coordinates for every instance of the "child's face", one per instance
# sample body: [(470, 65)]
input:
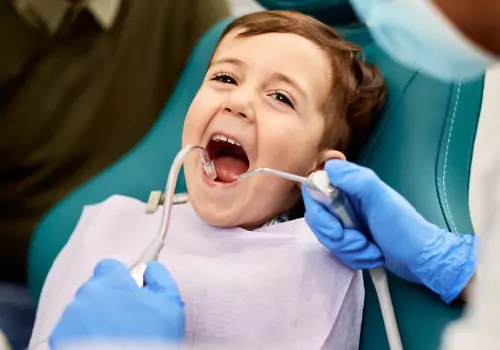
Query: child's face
[(266, 92)]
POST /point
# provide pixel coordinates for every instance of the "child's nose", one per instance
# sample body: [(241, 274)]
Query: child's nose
[(239, 104), (234, 111)]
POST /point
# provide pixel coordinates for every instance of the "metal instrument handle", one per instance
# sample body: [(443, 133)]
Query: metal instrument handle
[(334, 200)]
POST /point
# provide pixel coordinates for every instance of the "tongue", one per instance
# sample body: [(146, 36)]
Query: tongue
[(229, 168)]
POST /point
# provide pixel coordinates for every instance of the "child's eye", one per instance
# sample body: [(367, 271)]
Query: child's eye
[(224, 78), (283, 97)]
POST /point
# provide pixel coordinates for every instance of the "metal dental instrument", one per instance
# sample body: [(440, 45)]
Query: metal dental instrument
[(319, 187), (156, 245)]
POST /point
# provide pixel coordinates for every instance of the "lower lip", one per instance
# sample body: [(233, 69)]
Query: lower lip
[(213, 183)]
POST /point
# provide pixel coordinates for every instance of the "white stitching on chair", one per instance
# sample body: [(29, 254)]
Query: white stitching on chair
[(454, 228)]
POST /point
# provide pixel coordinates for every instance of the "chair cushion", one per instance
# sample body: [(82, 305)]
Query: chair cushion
[(333, 12), (422, 146)]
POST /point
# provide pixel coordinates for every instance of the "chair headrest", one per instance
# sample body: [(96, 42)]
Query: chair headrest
[(332, 12)]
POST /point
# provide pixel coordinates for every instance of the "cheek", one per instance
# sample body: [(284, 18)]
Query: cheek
[(293, 144), (202, 109)]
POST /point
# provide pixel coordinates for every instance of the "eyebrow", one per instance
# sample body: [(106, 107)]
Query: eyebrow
[(290, 81), (278, 76), (230, 60)]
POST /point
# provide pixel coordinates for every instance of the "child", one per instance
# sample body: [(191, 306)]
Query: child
[(284, 91)]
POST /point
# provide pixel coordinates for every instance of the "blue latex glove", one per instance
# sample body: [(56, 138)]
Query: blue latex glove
[(111, 307), (401, 239)]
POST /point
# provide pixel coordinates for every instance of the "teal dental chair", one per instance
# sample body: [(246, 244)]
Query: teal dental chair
[(422, 146)]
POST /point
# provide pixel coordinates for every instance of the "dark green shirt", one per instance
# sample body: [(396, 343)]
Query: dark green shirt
[(72, 103)]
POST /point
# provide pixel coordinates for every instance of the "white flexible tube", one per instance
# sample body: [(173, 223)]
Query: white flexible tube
[(379, 278)]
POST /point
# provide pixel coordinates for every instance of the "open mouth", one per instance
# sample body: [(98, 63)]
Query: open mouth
[(229, 158)]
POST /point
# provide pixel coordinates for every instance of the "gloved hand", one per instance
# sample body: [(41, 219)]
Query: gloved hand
[(398, 237), (111, 307)]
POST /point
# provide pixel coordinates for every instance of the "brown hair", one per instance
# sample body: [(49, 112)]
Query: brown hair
[(357, 87)]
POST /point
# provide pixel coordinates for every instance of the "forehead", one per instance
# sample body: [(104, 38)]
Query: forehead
[(288, 54)]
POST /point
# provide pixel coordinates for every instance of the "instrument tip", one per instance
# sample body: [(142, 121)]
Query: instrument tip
[(210, 171)]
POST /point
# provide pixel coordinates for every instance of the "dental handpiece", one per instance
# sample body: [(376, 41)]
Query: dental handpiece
[(153, 250), (336, 202)]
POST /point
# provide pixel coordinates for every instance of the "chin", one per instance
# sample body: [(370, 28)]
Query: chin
[(227, 212), (217, 215), (217, 204)]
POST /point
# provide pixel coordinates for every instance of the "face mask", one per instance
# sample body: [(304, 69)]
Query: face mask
[(416, 34)]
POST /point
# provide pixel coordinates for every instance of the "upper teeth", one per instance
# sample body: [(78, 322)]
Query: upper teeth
[(219, 137)]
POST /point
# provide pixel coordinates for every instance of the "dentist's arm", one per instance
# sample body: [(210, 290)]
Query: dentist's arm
[(403, 241), (465, 295), (478, 327), (476, 19), (111, 311)]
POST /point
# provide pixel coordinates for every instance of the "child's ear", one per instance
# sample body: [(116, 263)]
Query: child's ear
[(327, 155)]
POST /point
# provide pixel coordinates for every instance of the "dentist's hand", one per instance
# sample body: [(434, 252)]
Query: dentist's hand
[(111, 307), (401, 239)]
